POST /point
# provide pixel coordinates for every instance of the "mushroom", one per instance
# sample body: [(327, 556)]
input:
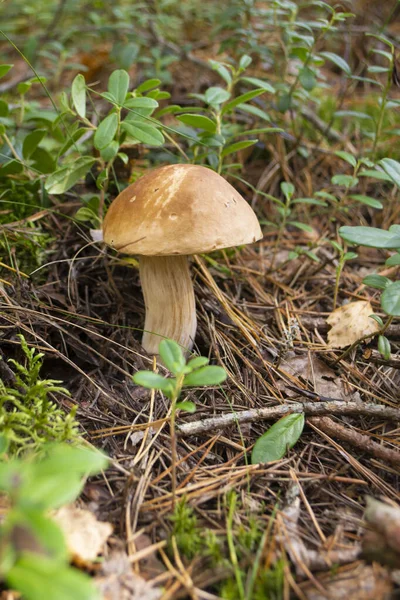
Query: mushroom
[(165, 216)]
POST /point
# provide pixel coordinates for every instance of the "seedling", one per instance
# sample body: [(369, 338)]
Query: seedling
[(373, 237), (194, 373), (343, 257)]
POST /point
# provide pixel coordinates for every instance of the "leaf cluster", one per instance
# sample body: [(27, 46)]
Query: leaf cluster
[(33, 552), (194, 373)]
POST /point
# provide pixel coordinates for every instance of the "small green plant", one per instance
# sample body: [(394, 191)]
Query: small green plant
[(214, 130), (28, 418), (374, 237), (285, 213), (343, 257), (186, 529), (194, 373), (33, 554)]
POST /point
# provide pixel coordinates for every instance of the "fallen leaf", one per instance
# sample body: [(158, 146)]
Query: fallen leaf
[(322, 378), (119, 582), (84, 534), (350, 323)]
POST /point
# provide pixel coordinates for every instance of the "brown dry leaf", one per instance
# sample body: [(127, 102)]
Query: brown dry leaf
[(84, 534), (119, 582), (323, 379), (362, 582), (350, 323)]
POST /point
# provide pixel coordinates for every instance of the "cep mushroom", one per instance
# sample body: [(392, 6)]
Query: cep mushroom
[(164, 217)]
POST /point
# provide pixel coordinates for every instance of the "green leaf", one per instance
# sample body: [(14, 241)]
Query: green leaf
[(372, 202), (205, 376), (63, 179), (255, 111), (44, 531), (349, 255), (384, 347), (35, 576), (237, 146), (212, 140), (287, 189), (78, 93), (43, 161), (309, 201), (222, 71), (376, 281), (187, 406), (58, 478), (70, 460), (198, 361), (141, 102), (307, 78), (380, 175), (147, 134), (347, 157), (72, 139), (371, 237), (346, 180), (337, 60), (110, 151), (259, 83), (31, 142), (302, 226), (199, 121), (242, 99), (393, 261), (172, 356), (377, 319), (4, 69), (4, 110), (147, 85), (106, 131), (12, 167), (118, 86), (245, 61), (216, 95), (84, 215), (390, 299), (392, 168), (153, 381), (326, 195), (274, 444)]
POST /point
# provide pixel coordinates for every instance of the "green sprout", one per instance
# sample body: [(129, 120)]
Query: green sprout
[(194, 373)]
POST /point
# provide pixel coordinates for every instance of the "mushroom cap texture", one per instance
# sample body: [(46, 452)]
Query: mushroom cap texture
[(179, 209)]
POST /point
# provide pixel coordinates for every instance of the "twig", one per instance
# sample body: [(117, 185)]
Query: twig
[(356, 439), (253, 415)]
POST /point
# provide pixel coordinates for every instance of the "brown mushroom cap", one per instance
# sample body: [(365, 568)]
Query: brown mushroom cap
[(179, 209)]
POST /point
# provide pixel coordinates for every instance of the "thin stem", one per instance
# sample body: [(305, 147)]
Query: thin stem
[(339, 270), (174, 452)]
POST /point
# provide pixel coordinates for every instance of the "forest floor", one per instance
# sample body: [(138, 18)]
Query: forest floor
[(262, 315)]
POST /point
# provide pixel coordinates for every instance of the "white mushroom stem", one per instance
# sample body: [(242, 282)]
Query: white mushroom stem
[(169, 300)]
